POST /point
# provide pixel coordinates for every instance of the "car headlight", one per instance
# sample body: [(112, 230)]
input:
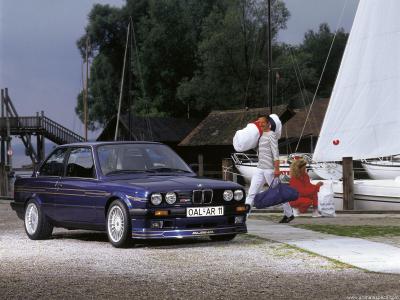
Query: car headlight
[(228, 195), (156, 199), (170, 197), (238, 195)]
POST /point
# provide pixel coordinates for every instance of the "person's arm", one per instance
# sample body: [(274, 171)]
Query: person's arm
[(275, 154), (304, 188)]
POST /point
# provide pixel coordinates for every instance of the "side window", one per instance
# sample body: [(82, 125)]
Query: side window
[(80, 163), (54, 165)]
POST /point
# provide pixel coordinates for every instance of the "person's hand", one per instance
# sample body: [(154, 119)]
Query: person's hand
[(320, 183)]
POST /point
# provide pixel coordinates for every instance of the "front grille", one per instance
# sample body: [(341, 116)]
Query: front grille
[(202, 196), (197, 197), (207, 196)]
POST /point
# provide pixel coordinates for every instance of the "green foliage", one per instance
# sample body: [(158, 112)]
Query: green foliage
[(199, 56)]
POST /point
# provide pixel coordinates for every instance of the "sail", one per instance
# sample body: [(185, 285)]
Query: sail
[(363, 116)]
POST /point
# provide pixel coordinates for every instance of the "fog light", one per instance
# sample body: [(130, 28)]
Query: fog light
[(239, 219), (241, 208), (161, 213), (157, 224)]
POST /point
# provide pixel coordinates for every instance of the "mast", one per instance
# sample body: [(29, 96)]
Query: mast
[(85, 102), (269, 59)]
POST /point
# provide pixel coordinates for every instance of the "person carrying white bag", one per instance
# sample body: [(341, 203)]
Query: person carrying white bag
[(269, 130), (247, 138)]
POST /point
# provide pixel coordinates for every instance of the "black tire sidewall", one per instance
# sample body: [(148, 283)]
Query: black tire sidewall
[(126, 236)]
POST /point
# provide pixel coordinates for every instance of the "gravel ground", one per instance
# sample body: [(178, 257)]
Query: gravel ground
[(82, 264)]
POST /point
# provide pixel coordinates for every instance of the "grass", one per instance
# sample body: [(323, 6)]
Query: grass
[(354, 231)]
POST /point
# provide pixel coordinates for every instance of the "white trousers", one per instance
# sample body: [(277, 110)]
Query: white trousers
[(258, 180)]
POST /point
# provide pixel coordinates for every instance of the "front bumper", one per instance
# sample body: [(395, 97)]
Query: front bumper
[(186, 233), (177, 225)]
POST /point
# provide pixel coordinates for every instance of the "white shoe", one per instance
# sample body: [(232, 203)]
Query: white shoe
[(296, 212), (316, 214)]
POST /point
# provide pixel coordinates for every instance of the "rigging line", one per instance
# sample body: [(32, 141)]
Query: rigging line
[(323, 70), (148, 123), (122, 84), (301, 86), (251, 69), (131, 114)]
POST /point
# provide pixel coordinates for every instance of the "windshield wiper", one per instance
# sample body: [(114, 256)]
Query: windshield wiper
[(125, 171), (169, 170)]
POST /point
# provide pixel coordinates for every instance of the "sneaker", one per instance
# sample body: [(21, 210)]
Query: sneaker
[(296, 212), (316, 214), (287, 219)]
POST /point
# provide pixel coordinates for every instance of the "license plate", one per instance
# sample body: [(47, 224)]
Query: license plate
[(208, 211)]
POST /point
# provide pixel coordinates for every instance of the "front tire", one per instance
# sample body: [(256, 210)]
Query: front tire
[(36, 224), (118, 225), (223, 238)]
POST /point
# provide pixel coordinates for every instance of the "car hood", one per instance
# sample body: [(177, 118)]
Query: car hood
[(175, 183)]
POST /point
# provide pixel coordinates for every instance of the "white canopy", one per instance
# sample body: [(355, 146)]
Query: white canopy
[(363, 116)]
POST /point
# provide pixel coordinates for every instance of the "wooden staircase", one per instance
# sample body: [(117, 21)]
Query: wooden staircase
[(12, 124)]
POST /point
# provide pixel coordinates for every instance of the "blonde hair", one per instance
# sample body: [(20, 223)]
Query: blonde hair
[(296, 166)]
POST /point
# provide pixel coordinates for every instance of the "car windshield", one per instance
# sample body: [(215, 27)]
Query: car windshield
[(136, 158)]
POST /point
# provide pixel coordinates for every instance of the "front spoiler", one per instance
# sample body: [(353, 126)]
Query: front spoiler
[(186, 233)]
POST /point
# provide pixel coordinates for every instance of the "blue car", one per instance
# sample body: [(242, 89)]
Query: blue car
[(131, 190)]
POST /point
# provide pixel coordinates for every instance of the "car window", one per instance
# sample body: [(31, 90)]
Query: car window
[(80, 163), (54, 165), (116, 158)]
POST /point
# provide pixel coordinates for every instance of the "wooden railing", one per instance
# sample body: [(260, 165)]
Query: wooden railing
[(41, 124)]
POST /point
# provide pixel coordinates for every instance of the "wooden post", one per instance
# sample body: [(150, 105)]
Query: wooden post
[(348, 183), (201, 165), (3, 181), (227, 167), (3, 145)]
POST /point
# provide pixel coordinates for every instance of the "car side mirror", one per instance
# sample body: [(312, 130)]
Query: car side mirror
[(194, 167)]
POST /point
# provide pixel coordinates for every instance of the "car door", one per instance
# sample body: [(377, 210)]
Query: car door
[(77, 194), (47, 179)]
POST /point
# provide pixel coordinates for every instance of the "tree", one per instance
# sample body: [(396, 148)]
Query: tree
[(232, 55), (316, 45), (166, 37)]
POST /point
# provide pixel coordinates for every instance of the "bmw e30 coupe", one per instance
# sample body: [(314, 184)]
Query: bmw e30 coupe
[(131, 190)]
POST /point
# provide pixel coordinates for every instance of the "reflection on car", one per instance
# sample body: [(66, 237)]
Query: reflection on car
[(131, 190)]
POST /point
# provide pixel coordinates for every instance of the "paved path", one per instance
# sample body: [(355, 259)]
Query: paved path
[(371, 256)]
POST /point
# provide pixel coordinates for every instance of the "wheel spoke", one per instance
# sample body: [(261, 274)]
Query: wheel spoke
[(116, 224)]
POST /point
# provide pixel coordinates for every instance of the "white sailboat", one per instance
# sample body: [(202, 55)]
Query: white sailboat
[(246, 164), (363, 117), (383, 168)]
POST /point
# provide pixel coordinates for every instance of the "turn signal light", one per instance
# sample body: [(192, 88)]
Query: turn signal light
[(241, 208), (161, 213)]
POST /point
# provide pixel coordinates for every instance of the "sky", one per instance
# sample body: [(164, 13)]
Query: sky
[(41, 65)]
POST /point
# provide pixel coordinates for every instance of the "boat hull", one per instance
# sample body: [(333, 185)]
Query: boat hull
[(382, 170), (371, 195)]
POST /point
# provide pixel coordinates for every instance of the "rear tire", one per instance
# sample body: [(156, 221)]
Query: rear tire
[(36, 224), (118, 225), (223, 238)]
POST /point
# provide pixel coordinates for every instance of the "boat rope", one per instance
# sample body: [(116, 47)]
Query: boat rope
[(251, 70), (122, 84), (301, 85), (323, 71), (148, 123)]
